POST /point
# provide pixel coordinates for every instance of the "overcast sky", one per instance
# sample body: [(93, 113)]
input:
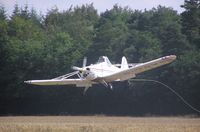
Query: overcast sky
[(100, 5)]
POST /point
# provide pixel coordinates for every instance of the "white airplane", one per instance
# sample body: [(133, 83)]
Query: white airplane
[(103, 72)]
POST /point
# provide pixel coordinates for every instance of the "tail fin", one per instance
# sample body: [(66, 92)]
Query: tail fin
[(124, 64)]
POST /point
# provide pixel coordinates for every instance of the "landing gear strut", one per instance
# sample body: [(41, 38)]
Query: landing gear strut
[(107, 84), (110, 86)]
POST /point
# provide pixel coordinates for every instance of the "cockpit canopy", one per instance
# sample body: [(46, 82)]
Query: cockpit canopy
[(104, 59)]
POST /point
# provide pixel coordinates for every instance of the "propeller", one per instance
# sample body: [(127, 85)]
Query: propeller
[(84, 61), (82, 69), (77, 68)]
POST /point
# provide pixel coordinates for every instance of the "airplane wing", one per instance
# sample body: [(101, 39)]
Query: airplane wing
[(139, 68), (77, 82)]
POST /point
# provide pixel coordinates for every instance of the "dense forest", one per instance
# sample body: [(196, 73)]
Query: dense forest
[(34, 46)]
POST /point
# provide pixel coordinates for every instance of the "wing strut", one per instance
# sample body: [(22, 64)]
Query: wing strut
[(67, 75)]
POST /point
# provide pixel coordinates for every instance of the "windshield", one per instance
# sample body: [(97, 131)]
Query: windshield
[(104, 59)]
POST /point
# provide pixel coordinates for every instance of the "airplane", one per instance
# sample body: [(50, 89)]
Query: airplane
[(103, 72)]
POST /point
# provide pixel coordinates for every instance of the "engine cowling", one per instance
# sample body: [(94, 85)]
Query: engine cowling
[(89, 75)]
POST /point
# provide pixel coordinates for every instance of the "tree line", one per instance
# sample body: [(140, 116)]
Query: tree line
[(34, 46)]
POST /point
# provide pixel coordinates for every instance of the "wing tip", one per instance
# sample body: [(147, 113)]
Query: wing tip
[(27, 82), (173, 57)]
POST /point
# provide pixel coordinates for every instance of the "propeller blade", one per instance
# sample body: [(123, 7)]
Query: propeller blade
[(77, 68), (81, 70), (84, 61)]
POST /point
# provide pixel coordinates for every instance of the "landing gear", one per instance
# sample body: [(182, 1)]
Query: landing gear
[(107, 84), (110, 86), (86, 88)]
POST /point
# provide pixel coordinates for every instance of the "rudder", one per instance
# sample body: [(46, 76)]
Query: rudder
[(124, 63)]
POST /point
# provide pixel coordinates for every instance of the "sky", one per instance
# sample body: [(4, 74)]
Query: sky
[(42, 6)]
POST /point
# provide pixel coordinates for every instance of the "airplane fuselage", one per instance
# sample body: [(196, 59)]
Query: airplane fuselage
[(103, 69)]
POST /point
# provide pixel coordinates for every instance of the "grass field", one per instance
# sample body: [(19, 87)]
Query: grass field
[(98, 124)]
